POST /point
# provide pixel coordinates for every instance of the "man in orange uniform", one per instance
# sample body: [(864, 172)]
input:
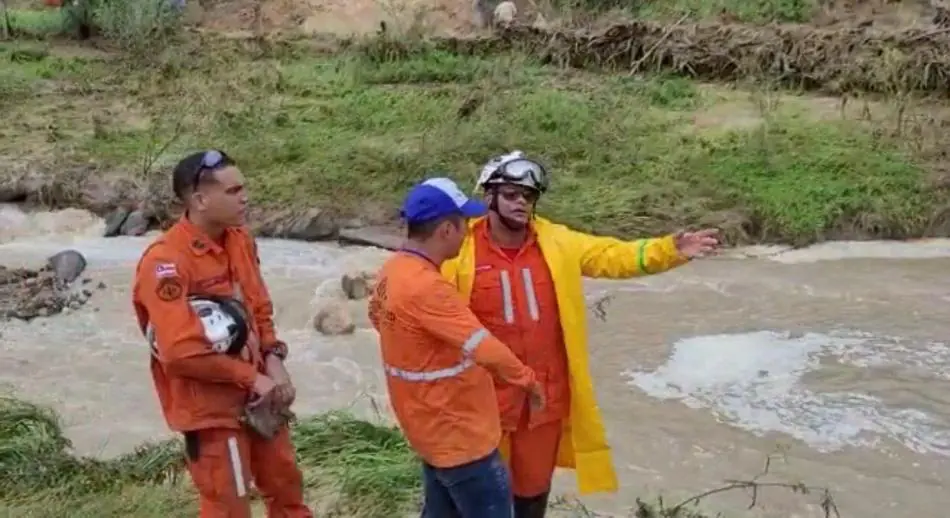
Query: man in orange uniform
[(202, 385), (435, 354), (522, 277)]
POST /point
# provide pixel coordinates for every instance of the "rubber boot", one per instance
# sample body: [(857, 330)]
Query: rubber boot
[(532, 507)]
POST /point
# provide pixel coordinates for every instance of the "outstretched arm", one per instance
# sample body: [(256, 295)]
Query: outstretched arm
[(612, 258)]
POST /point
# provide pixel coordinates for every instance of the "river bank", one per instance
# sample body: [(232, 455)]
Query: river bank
[(339, 138)]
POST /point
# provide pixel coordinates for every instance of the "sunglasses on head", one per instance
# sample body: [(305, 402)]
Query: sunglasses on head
[(212, 160)]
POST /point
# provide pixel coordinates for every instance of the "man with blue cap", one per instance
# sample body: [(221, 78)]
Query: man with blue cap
[(439, 361)]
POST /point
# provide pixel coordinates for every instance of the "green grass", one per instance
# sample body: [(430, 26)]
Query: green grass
[(36, 24), (368, 466), (353, 469), (352, 132)]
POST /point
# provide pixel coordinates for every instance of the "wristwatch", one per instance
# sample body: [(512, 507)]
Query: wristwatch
[(279, 350)]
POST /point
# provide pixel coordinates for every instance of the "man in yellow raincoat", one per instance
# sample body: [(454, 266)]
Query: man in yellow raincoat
[(522, 277)]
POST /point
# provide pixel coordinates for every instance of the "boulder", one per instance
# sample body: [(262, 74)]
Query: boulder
[(333, 318), (114, 222), (309, 225), (357, 285), (312, 225), (67, 265), (135, 224)]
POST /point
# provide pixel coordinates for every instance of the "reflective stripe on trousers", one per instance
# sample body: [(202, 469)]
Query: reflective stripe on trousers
[(508, 305), (467, 349)]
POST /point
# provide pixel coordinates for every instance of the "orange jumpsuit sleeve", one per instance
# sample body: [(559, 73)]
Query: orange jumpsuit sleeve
[(263, 308), (441, 311), (161, 289)]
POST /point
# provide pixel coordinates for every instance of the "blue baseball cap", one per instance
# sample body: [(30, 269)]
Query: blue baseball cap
[(436, 198)]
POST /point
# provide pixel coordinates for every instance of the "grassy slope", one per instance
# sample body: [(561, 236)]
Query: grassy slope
[(354, 468), (352, 132)]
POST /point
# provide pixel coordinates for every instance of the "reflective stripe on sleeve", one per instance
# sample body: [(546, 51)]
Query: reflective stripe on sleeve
[(468, 349)]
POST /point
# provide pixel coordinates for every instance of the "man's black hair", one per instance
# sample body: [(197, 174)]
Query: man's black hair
[(424, 230), (190, 173)]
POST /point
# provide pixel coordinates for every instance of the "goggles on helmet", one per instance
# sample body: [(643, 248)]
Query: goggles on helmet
[(519, 171)]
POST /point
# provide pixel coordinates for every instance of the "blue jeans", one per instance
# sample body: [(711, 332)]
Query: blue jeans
[(479, 489)]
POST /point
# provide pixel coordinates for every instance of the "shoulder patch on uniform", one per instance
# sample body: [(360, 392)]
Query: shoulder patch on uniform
[(169, 289), (165, 270)]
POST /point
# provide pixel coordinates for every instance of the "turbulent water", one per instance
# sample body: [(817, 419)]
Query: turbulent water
[(833, 355)]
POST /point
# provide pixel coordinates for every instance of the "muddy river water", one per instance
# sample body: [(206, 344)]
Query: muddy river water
[(834, 354)]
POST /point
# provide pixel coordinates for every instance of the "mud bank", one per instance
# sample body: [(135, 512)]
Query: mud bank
[(132, 207)]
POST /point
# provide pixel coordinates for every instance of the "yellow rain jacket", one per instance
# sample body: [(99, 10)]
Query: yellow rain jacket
[(572, 255)]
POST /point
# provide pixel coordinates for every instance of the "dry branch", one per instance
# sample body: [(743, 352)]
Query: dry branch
[(686, 508), (835, 60)]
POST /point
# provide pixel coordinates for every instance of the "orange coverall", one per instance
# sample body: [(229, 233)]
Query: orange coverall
[(202, 393), (434, 351), (513, 296)]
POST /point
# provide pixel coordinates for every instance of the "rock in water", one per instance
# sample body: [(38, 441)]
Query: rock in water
[(333, 318), (67, 265), (357, 285), (114, 222), (135, 224)]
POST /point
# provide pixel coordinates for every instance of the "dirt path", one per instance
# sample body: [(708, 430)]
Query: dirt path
[(340, 17)]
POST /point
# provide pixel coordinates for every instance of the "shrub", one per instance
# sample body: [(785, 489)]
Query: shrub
[(138, 26)]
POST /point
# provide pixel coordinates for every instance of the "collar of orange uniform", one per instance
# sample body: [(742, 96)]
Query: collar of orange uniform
[(480, 229), (198, 241)]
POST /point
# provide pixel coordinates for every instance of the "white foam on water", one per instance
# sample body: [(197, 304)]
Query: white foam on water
[(37, 235), (836, 250), (754, 381), (57, 225)]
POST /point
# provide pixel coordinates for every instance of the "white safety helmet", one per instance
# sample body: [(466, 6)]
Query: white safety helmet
[(513, 168), (225, 324)]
